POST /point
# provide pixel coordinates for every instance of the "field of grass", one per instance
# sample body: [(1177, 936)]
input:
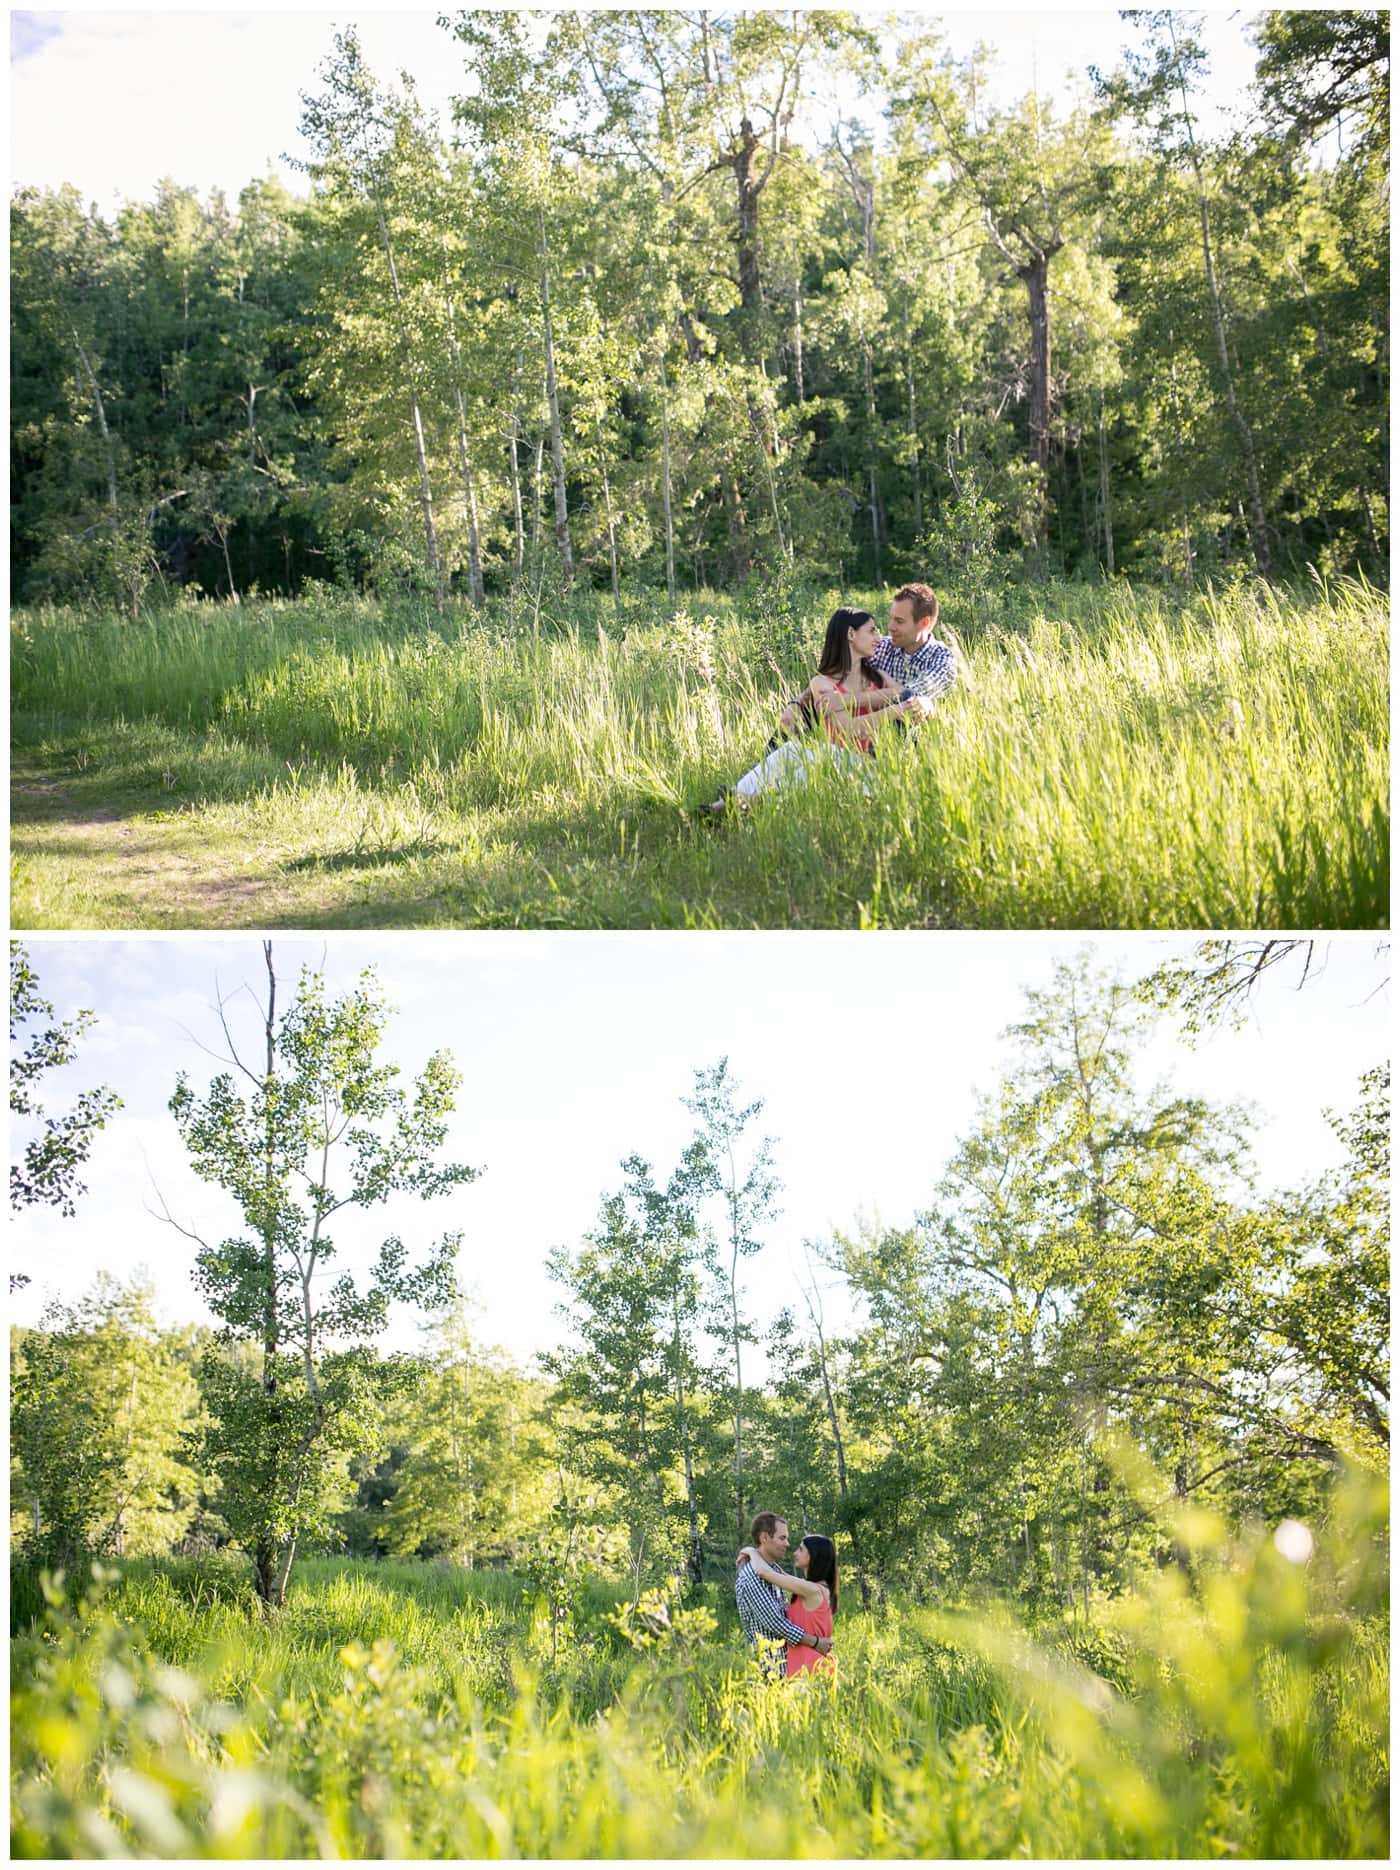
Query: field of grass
[(407, 1710), (1111, 758)]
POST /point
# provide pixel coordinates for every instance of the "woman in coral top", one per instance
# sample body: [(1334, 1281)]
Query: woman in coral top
[(813, 1594)]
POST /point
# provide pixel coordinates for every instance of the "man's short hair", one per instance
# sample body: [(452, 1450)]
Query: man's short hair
[(922, 598), (765, 1524)]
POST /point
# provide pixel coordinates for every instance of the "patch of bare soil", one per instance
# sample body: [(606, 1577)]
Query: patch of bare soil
[(149, 872)]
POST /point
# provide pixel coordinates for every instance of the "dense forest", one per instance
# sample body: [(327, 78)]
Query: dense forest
[(1098, 1318), (651, 312)]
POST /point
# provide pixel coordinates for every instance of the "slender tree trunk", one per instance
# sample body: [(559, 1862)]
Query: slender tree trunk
[(1259, 534), (536, 515), (1105, 497), (607, 498), (744, 162), (264, 1556), (870, 459), (425, 484), (738, 1390), (914, 463), (478, 583), (666, 483), (284, 1571), (797, 342), (737, 518), (556, 432), (109, 458), (694, 1560), (1036, 274), (840, 1446), (228, 563), (517, 507)]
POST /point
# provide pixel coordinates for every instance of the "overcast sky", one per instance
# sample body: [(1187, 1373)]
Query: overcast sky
[(577, 1049), (113, 99)]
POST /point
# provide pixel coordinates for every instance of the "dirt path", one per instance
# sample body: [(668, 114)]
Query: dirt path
[(146, 879)]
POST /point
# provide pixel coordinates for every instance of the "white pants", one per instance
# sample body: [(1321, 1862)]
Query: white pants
[(792, 761)]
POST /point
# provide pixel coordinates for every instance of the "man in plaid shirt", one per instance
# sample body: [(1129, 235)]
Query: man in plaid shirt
[(761, 1612), (912, 659)]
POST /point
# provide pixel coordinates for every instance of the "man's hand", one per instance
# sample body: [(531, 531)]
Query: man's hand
[(917, 708), (824, 1645)]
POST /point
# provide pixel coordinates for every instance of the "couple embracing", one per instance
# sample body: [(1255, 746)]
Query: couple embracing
[(864, 684), (791, 1638)]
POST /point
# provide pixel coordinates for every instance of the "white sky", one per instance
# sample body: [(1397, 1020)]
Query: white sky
[(576, 1050), (112, 99)]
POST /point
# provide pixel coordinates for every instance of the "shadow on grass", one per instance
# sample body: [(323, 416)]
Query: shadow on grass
[(316, 861)]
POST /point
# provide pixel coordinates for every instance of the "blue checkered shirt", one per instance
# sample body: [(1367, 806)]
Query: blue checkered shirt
[(931, 670), (761, 1613)]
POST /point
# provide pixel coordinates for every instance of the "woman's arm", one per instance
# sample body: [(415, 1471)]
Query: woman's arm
[(833, 706), (812, 1595)]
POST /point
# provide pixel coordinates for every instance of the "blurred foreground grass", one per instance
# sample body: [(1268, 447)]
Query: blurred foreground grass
[(1234, 1705)]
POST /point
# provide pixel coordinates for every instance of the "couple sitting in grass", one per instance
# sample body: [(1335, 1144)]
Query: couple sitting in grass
[(864, 683), (790, 1639)]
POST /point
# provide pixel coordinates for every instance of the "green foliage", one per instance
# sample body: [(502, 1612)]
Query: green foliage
[(634, 316), (47, 1170), (104, 1411)]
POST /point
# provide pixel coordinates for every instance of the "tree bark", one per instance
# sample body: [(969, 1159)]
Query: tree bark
[(100, 410), (478, 583), (556, 432), (694, 1563), (264, 1557), (666, 483), (797, 342), (1105, 497), (1035, 273), (744, 162), (870, 459), (1258, 529), (607, 498), (517, 505), (913, 433)]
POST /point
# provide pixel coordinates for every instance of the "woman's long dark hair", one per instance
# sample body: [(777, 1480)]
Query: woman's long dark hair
[(836, 650), (821, 1562)]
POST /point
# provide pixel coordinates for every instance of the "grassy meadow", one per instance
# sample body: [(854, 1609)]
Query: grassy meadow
[(1236, 1706), (1112, 757)]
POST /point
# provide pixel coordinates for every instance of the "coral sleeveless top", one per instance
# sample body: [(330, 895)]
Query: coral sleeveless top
[(816, 1623)]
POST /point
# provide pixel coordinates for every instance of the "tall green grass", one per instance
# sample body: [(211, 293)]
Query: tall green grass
[(1111, 758), (1238, 1708)]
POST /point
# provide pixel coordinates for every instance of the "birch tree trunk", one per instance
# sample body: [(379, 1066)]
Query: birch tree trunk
[(1105, 498), (666, 483), (556, 433), (264, 1558), (478, 584), (517, 505), (425, 485), (912, 431), (1258, 528)]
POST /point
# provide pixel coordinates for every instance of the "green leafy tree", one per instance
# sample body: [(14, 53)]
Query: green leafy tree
[(473, 1483), (324, 1128), (47, 1171), (103, 1410)]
